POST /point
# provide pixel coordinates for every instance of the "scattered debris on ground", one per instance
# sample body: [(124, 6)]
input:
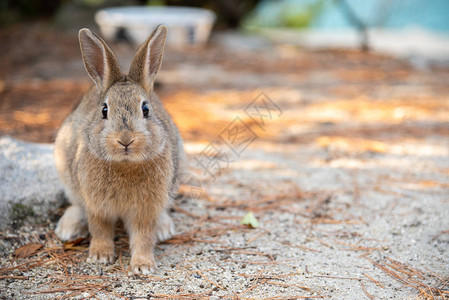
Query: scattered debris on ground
[(345, 172)]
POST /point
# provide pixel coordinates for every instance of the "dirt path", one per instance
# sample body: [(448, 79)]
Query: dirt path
[(346, 173)]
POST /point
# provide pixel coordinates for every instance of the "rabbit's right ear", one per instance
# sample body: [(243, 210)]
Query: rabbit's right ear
[(100, 62)]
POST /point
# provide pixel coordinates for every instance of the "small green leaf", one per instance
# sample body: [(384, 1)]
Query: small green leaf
[(250, 220)]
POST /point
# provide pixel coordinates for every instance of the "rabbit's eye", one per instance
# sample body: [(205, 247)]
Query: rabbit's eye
[(104, 111), (145, 109)]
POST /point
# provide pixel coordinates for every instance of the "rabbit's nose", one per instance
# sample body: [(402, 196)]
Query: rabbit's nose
[(125, 139), (125, 144)]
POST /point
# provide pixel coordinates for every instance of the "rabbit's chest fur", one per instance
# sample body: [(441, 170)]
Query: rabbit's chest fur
[(122, 188)]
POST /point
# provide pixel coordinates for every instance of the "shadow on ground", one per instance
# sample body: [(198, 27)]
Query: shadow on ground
[(342, 156)]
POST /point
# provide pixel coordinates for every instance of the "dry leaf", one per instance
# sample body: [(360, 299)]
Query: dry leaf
[(250, 220), (74, 245), (27, 250)]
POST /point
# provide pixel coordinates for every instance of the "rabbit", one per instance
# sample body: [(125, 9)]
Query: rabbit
[(119, 154)]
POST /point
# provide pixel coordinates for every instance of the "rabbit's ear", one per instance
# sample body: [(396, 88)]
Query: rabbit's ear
[(100, 62), (148, 58)]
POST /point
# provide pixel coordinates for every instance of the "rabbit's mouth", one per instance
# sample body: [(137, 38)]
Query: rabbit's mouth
[(124, 146), (128, 157), (124, 153), (128, 154), (127, 150), (132, 147)]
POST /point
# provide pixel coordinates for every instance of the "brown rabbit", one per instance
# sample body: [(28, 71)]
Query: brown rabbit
[(119, 154)]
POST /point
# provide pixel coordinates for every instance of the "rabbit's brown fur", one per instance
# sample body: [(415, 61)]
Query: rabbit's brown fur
[(124, 166)]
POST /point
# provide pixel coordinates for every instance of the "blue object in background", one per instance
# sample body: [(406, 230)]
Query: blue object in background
[(329, 14)]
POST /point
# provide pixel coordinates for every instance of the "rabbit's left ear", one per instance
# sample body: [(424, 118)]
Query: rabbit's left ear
[(148, 58), (100, 62)]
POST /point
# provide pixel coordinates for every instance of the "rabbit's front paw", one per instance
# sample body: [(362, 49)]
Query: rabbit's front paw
[(72, 224), (101, 253), (142, 265), (165, 228)]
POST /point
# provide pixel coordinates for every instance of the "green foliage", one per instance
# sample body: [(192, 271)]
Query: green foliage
[(285, 13), (297, 19), (17, 10), (92, 2), (156, 3)]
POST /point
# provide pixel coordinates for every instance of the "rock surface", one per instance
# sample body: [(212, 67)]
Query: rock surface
[(29, 185)]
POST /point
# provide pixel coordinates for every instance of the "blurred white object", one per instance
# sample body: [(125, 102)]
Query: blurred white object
[(187, 27), (416, 44)]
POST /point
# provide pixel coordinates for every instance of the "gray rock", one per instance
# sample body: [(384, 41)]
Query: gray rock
[(29, 184)]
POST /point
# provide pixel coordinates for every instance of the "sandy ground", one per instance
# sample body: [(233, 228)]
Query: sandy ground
[(346, 173)]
